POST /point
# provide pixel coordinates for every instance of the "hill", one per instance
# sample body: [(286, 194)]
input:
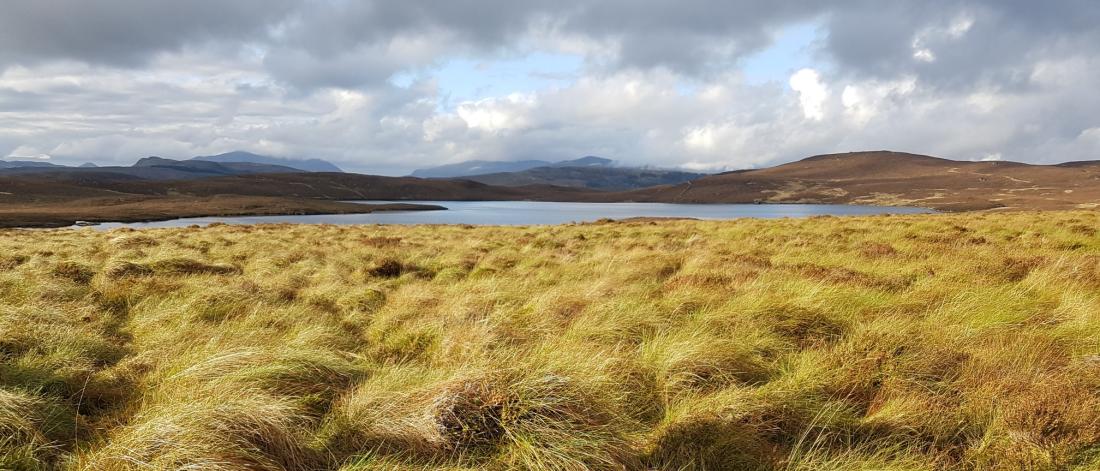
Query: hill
[(207, 168), (475, 167), (50, 199), (590, 172), (893, 178), (483, 167), (5, 164), (596, 177), (155, 168), (867, 178), (307, 165)]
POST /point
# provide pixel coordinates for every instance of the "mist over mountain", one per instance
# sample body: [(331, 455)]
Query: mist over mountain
[(484, 167), (476, 167), (308, 165)]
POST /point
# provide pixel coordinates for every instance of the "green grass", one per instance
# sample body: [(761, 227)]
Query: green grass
[(889, 343)]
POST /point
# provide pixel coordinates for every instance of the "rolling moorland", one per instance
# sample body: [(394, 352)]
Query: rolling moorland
[(896, 179), (805, 344), (51, 198)]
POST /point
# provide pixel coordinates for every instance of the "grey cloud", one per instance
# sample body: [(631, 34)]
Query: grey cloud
[(126, 32), (337, 40), (330, 43), (1002, 42), (691, 37), (309, 79)]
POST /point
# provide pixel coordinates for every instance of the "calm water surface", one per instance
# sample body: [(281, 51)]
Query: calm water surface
[(531, 213)]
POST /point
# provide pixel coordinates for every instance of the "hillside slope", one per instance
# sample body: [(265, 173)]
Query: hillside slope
[(484, 167), (306, 165), (153, 168), (896, 179), (597, 178)]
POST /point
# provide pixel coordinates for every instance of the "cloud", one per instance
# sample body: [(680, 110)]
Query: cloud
[(958, 44), (660, 82), (27, 153), (812, 93), (495, 115), (128, 32)]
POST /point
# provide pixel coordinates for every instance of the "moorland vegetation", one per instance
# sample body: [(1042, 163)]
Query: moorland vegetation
[(927, 342)]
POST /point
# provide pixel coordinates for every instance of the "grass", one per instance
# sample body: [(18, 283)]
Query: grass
[(889, 343)]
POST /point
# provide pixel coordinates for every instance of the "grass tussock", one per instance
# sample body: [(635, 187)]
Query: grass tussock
[(890, 343)]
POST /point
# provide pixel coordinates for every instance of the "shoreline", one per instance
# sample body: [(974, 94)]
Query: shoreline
[(519, 213), (62, 214)]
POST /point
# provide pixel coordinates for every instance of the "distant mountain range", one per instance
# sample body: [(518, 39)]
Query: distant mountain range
[(308, 165), (26, 164), (484, 167), (166, 187), (159, 168), (595, 178), (590, 172)]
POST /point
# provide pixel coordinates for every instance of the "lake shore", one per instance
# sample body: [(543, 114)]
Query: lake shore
[(533, 213), (127, 209)]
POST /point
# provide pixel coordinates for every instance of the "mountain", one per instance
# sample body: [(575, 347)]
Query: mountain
[(485, 167), (26, 164), (595, 177), (156, 168), (308, 165), (893, 179), (88, 165), (586, 172), (867, 178), (589, 161), (477, 167), (217, 168)]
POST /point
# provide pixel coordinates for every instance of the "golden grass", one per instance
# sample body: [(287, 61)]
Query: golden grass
[(890, 343)]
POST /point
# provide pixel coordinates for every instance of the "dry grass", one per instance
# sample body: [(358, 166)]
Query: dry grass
[(889, 343)]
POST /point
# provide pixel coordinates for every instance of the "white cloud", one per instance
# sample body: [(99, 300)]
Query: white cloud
[(862, 102), (812, 93), (700, 139), (658, 85), (27, 153), (940, 35), (923, 54), (498, 114)]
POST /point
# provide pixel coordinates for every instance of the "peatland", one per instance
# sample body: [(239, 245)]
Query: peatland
[(933, 342)]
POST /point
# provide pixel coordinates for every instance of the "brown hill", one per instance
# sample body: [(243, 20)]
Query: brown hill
[(869, 178), (329, 186), (59, 198), (896, 179)]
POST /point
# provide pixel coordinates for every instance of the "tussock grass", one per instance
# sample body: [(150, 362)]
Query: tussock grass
[(930, 342)]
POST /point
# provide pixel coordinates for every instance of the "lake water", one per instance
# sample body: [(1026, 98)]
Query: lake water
[(532, 213)]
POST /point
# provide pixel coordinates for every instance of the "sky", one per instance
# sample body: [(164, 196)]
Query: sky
[(385, 87)]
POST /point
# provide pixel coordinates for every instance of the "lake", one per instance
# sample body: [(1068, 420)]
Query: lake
[(532, 213)]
